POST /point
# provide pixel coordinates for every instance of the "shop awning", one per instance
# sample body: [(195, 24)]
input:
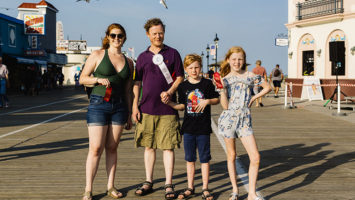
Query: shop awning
[(30, 61)]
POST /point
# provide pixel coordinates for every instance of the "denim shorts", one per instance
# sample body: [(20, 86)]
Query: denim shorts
[(200, 142), (101, 113)]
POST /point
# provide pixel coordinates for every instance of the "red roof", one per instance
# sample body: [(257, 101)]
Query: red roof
[(34, 5)]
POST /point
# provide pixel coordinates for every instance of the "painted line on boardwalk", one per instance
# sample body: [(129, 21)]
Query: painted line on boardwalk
[(242, 172), (48, 104), (40, 123)]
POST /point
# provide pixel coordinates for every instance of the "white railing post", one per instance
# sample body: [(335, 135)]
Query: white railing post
[(285, 94)]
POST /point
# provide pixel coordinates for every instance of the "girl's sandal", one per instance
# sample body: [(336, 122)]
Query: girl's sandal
[(186, 196), (169, 193), (87, 195), (206, 196), (114, 190), (234, 196)]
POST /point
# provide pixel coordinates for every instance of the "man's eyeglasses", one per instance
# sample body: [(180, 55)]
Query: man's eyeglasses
[(119, 36)]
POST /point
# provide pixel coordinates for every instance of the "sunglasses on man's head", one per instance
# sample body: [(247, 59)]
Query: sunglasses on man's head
[(119, 36)]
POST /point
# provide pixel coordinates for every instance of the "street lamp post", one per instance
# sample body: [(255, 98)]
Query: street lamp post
[(216, 39), (208, 55), (202, 54)]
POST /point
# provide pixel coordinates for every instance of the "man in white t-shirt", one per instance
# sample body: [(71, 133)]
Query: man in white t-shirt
[(4, 79)]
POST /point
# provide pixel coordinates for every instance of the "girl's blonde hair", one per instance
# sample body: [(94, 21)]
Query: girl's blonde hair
[(191, 58), (225, 67)]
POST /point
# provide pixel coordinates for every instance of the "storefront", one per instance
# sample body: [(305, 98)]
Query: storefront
[(322, 43)]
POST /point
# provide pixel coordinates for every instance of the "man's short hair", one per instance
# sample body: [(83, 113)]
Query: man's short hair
[(191, 58), (153, 22), (258, 62)]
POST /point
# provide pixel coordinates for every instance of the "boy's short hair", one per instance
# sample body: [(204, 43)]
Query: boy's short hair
[(153, 22), (191, 58)]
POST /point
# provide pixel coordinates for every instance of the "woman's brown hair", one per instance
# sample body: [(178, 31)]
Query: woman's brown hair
[(105, 41), (225, 67)]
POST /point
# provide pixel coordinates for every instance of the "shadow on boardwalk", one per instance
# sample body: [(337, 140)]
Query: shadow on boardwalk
[(287, 158)]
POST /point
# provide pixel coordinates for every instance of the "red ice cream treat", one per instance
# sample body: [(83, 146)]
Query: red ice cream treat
[(217, 79), (108, 94)]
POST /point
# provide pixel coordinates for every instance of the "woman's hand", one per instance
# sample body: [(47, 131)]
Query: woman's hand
[(104, 81), (128, 125)]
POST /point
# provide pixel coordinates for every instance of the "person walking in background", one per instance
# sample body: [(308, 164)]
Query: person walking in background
[(4, 83), (196, 94), (259, 70), (235, 119), (110, 105), (276, 76), (157, 125)]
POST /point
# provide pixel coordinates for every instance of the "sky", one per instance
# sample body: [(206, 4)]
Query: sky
[(190, 24)]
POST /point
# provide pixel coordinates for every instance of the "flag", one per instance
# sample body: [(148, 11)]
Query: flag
[(212, 49)]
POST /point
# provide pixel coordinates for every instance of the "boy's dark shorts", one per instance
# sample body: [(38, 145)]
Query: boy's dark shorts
[(202, 143)]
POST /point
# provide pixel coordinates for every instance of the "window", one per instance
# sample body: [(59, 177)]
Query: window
[(308, 63)]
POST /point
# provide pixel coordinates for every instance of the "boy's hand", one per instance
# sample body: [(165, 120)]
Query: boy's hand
[(165, 97), (202, 105)]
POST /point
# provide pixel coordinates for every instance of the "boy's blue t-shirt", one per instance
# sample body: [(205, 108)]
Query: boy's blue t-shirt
[(190, 95)]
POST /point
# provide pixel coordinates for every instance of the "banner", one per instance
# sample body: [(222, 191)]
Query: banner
[(34, 24), (77, 45), (311, 88)]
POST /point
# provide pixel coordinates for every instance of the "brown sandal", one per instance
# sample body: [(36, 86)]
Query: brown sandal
[(111, 190)]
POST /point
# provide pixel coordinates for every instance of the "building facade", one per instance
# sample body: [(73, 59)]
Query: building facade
[(321, 42)]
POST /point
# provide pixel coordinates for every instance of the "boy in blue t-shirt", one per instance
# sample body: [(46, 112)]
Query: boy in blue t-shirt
[(196, 94)]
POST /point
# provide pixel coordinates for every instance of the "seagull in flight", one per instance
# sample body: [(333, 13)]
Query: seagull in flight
[(163, 3)]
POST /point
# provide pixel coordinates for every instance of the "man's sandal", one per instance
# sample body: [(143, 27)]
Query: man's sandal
[(169, 193), (145, 191), (186, 196), (207, 196), (114, 190), (87, 195), (234, 196)]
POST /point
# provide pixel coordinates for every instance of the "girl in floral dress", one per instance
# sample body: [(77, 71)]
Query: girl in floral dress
[(235, 120)]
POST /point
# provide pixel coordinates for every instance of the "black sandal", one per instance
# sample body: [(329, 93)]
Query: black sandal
[(144, 190), (204, 197), (187, 196), (168, 193)]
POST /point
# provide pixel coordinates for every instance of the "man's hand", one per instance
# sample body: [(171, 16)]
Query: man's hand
[(136, 115), (165, 97)]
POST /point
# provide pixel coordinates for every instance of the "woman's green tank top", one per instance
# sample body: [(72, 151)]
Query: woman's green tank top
[(117, 80)]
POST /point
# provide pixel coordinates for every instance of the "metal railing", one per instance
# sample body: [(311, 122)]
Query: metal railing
[(317, 8)]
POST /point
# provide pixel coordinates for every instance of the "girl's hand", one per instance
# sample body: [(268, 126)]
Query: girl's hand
[(202, 105), (251, 101), (104, 81), (128, 125)]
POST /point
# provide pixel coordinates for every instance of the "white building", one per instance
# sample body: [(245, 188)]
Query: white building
[(318, 31)]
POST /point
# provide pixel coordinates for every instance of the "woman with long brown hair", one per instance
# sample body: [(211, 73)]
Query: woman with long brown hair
[(109, 111)]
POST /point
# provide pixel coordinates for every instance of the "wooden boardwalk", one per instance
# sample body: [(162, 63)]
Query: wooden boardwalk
[(305, 155)]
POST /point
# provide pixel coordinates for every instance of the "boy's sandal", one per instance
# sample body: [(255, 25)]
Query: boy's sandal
[(87, 195), (207, 196), (169, 193), (186, 196), (258, 198), (234, 196), (145, 191), (114, 190)]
